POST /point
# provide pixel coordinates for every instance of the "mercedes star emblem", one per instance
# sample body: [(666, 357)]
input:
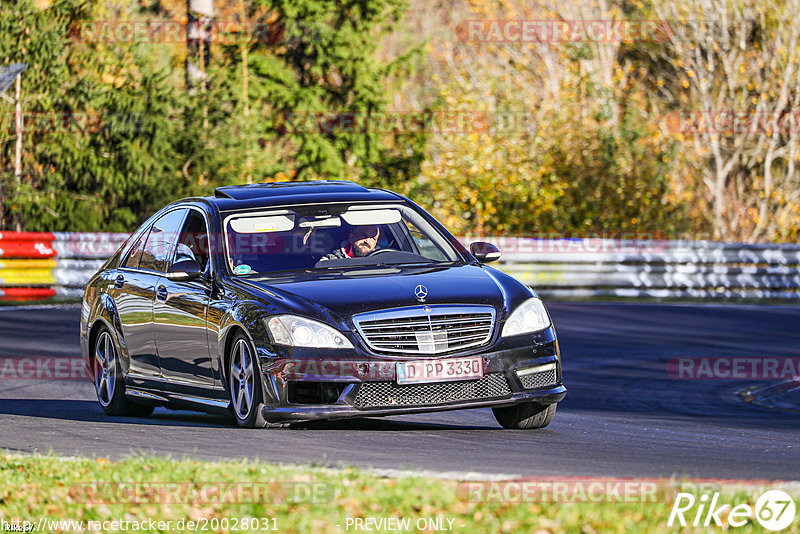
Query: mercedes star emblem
[(421, 292)]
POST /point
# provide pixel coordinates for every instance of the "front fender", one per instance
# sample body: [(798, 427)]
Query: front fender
[(248, 316)]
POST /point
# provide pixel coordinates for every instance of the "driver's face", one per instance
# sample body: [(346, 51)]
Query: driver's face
[(364, 239)]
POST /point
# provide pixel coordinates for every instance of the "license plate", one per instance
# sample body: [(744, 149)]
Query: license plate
[(418, 371)]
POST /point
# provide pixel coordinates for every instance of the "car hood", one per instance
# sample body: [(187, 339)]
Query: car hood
[(345, 293)]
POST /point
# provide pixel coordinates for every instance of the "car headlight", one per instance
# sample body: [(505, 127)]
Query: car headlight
[(297, 331), (529, 317)]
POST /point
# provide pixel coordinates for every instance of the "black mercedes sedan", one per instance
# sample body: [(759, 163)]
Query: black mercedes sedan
[(295, 301)]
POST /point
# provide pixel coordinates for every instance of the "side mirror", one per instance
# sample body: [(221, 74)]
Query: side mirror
[(184, 269), (485, 252)]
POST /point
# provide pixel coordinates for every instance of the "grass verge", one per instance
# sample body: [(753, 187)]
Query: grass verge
[(251, 496)]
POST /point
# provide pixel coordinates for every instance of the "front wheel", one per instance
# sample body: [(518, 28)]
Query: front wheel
[(244, 383), (108, 381), (529, 415)]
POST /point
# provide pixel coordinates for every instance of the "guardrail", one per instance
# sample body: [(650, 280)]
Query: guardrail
[(40, 265), (43, 265), (603, 267)]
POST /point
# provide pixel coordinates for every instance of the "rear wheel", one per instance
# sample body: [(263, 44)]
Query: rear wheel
[(108, 381), (244, 383), (529, 415)]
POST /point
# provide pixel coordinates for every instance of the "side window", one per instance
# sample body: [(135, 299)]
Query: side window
[(135, 254), (193, 242), (426, 247), (159, 243)]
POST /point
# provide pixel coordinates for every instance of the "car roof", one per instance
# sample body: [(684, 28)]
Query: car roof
[(235, 197)]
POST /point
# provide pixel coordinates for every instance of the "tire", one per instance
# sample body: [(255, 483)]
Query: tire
[(109, 384), (245, 386), (529, 415)]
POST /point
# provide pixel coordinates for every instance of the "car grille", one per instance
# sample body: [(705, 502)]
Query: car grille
[(383, 394), (539, 380), (431, 329)]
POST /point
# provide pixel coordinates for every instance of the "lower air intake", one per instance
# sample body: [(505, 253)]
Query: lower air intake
[(539, 380), (389, 394)]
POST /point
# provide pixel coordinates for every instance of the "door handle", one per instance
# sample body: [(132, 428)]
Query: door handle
[(119, 282), (161, 293)]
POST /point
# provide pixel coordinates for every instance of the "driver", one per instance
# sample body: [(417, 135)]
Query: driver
[(361, 241)]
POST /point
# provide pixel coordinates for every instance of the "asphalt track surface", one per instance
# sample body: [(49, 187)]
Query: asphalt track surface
[(623, 415)]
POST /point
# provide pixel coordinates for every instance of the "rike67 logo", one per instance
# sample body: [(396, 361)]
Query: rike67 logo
[(774, 510)]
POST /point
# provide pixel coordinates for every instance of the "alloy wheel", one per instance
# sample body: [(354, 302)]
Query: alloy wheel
[(242, 379), (105, 376)]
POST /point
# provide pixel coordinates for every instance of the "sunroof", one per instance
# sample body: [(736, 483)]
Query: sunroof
[(246, 192)]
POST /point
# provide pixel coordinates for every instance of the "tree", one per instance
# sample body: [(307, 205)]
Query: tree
[(97, 141), (136, 139), (325, 67), (571, 144), (733, 85)]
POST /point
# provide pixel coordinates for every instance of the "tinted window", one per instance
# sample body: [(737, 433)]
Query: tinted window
[(159, 243), (193, 241), (135, 254), (425, 244), (278, 240)]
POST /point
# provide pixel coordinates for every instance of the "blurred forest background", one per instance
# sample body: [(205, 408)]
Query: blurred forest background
[(580, 137)]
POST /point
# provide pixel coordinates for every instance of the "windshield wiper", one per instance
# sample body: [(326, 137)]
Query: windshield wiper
[(425, 264)]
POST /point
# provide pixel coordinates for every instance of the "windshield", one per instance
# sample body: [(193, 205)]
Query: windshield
[(332, 237)]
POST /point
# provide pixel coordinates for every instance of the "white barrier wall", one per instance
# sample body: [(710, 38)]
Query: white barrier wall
[(41, 265), (596, 267)]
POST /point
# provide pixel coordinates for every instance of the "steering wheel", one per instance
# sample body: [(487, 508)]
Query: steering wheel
[(379, 250)]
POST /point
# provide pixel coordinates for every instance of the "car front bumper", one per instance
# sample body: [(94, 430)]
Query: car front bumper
[(366, 385), (342, 411)]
